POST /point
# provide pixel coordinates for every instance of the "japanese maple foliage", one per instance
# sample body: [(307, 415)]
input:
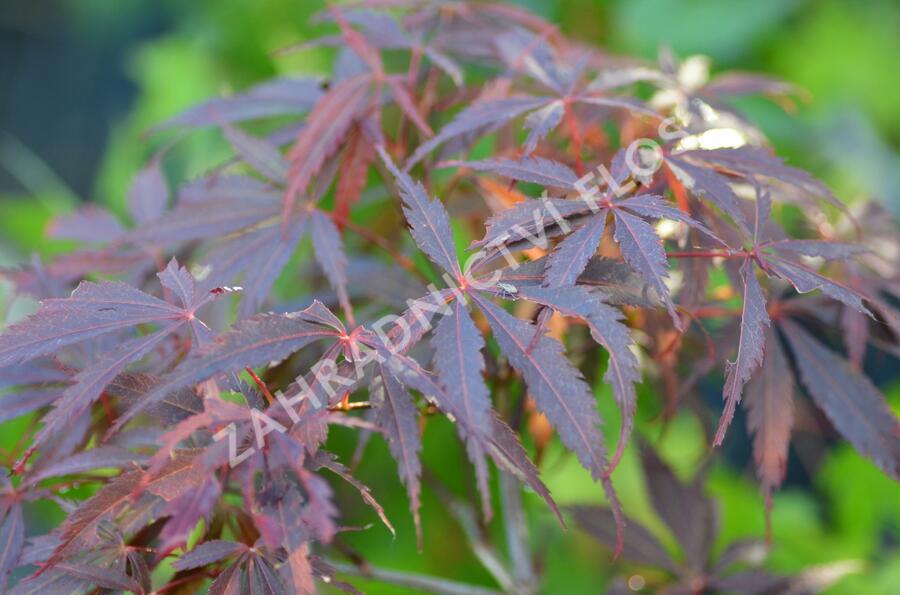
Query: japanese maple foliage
[(603, 194)]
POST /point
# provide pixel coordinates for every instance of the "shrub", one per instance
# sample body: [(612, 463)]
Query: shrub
[(623, 221)]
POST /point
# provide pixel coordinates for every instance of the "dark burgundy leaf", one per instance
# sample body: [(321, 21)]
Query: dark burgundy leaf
[(770, 413), (272, 98), (711, 185), (148, 195), (556, 386), (685, 509), (481, 115), (615, 280), (259, 255), (12, 538), (643, 250), (640, 547), (756, 162), (824, 248), (804, 280), (187, 510), (607, 329), (329, 250), (745, 83), (229, 582), (106, 578), (509, 454), (89, 224), (531, 219), (263, 157), (326, 127), (568, 261), (751, 347), (13, 405), (94, 309), (330, 462), (90, 382), (428, 219), (540, 122), (399, 420), (457, 348), (252, 342), (625, 103), (404, 99), (852, 403), (116, 495), (654, 207), (537, 170), (96, 458)]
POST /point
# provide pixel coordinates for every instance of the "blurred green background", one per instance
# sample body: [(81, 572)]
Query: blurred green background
[(83, 80)]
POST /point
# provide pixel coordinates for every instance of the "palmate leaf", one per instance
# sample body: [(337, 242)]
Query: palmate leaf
[(211, 208), (121, 307), (178, 475), (852, 403), (654, 207), (252, 342), (428, 219), (187, 510), (19, 403), (327, 126), (684, 508), (93, 310), (258, 256), (329, 461), (90, 382), (641, 546), (90, 224), (357, 158), (751, 346), (770, 413)]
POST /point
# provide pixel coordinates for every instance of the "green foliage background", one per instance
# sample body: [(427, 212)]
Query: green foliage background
[(836, 506)]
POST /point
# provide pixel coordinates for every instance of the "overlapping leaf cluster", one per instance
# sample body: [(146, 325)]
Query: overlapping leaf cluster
[(127, 380)]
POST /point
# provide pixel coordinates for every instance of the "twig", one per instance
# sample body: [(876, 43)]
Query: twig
[(468, 522), (516, 533), (419, 582)]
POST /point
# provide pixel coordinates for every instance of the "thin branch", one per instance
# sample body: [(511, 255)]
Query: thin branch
[(468, 521), (516, 534), (410, 580)]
